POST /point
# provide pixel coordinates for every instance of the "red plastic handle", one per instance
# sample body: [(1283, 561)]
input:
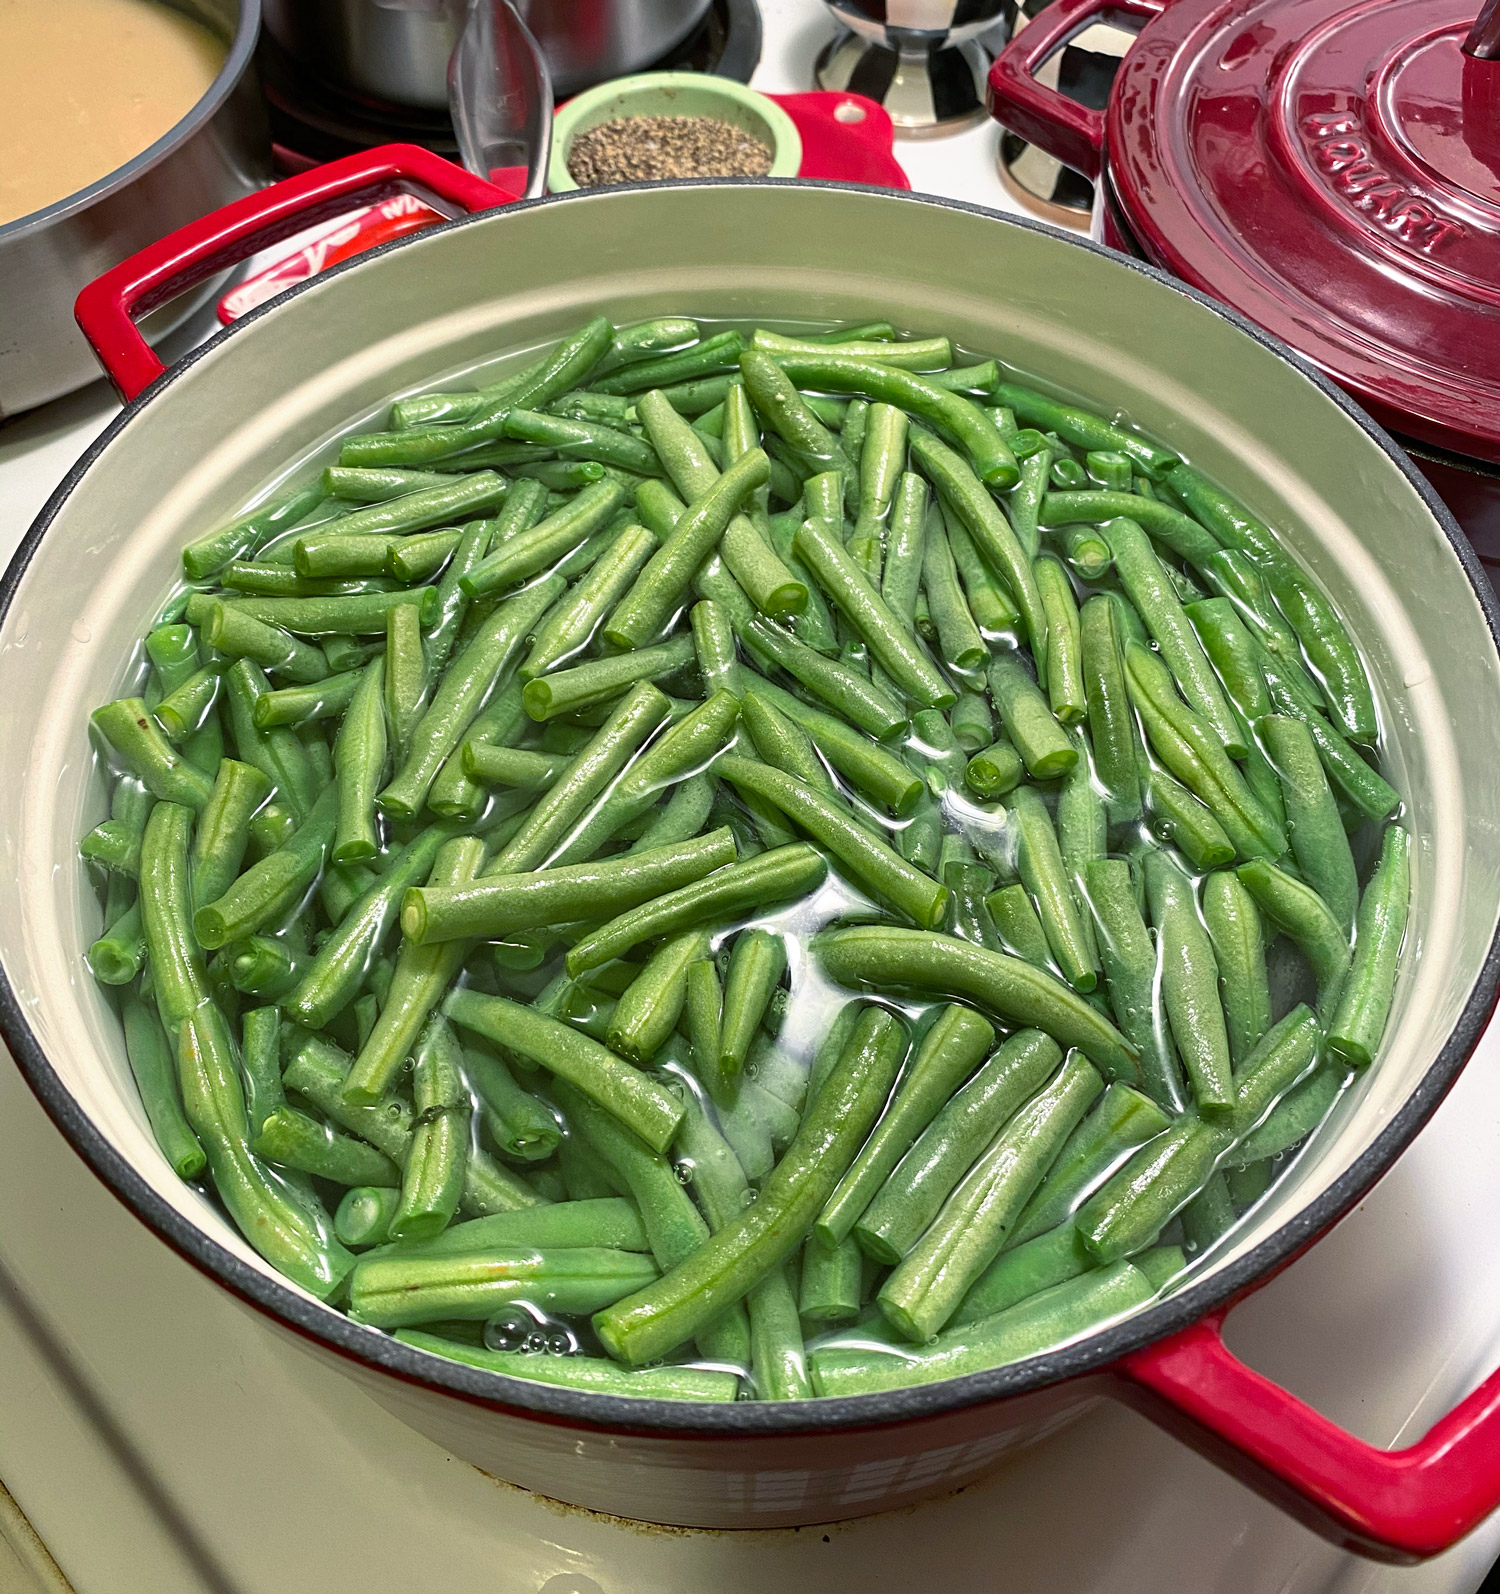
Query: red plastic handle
[(107, 309), (1072, 132), (1392, 1505)]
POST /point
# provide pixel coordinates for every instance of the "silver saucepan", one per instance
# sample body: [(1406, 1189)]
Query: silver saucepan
[(271, 395), (217, 152)]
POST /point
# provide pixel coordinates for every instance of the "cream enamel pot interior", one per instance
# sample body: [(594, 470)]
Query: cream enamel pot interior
[(270, 395)]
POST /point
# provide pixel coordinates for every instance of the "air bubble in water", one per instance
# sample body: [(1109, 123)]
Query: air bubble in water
[(750, 1195), (684, 1171)]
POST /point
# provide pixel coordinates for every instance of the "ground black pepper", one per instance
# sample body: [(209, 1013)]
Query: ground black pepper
[(637, 149)]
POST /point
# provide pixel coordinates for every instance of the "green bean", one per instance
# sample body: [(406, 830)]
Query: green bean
[(593, 1373), (1208, 1216), (946, 1149), (991, 532), (1047, 1259), (1122, 1120), (623, 1091), (422, 555), (601, 680), (1190, 985), (353, 614), (1130, 971), (703, 999), (113, 847), (1082, 428), (1190, 749), (971, 721), (339, 966), (220, 833), (778, 1364), (755, 969), (712, 357), (995, 770), (1064, 670), (1233, 923), (521, 1125), (1178, 817), (421, 977), (863, 704), (1364, 1006), (1178, 533), (459, 697), (657, 591), (1143, 578), (135, 736), (647, 1012), (364, 1214), (329, 554), (1300, 913), (829, 1288), (394, 1291), (1040, 864), (728, 893), (1111, 469), (882, 457), (318, 1070), (1317, 625), (276, 753), (154, 1071), (932, 748), (1065, 1312), (1082, 833), (1029, 722), (1316, 832), (502, 722), (631, 721), (734, 1260), (1353, 778), (573, 623), (432, 1178), (645, 341), (188, 708), (1025, 500), (1296, 1115), (610, 1222), (674, 1225), (874, 865), (966, 422), (716, 1178), (958, 635), (297, 705), (1135, 1204), (293, 1140), (783, 744), (948, 1054), (1020, 930), (580, 439), (1287, 1052), (884, 956), (988, 600), (116, 957), (924, 354), (375, 486), (207, 555), (260, 1065), (266, 966), (1087, 552), (511, 766), (359, 755), (883, 631), (523, 554)]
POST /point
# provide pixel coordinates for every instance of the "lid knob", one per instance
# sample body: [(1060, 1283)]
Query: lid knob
[(1483, 42)]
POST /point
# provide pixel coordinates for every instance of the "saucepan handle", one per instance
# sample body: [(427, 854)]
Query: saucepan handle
[(108, 308), (1072, 132), (1391, 1505)]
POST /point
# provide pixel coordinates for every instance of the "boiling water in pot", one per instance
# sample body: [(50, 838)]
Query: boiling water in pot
[(731, 865)]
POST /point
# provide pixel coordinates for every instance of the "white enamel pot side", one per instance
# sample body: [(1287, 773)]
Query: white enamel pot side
[(268, 398)]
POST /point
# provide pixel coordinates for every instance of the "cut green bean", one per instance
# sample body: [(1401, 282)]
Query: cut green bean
[(1364, 1006), (432, 1178), (1190, 985), (1300, 913)]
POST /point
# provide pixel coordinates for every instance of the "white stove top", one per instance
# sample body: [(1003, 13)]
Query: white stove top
[(162, 1439)]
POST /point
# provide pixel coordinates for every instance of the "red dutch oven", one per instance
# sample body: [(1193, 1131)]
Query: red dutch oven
[(1331, 168), (273, 393)]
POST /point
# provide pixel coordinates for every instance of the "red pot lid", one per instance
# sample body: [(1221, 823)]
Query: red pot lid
[(1333, 171)]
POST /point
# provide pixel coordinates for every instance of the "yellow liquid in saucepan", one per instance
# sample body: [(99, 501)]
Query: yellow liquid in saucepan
[(86, 85)]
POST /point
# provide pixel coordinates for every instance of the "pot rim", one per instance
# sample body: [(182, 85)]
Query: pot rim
[(333, 1331), (236, 61)]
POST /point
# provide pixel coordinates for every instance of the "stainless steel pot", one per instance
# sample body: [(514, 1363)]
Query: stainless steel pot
[(273, 393), (399, 49), (219, 151)]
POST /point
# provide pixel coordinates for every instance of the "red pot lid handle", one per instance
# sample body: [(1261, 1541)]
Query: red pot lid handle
[(1066, 130), (107, 309), (1393, 1505)]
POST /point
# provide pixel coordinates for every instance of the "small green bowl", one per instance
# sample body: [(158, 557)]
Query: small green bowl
[(674, 94)]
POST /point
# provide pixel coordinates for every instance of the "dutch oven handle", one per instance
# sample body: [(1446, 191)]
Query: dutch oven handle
[(1393, 1505), (107, 309), (1072, 132)]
